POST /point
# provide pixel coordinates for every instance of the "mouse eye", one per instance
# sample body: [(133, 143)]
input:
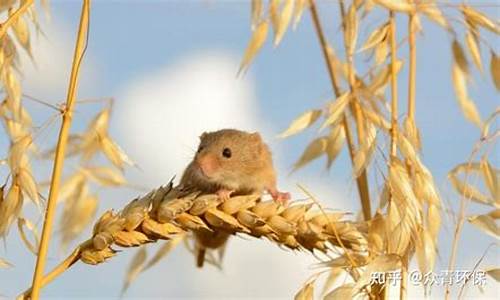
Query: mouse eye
[(226, 153), (199, 149)]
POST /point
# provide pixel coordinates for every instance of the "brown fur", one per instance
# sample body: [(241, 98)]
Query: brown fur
[(248, 170)]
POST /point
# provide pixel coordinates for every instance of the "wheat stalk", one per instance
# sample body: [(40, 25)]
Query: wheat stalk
[(15, 15), (167, 212), (61, 149), (361, 181)]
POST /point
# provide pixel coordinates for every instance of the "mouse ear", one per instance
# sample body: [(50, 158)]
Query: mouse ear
[(256, 136), (203, 135)]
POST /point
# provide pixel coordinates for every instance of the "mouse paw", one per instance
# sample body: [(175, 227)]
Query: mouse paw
[(224, 194), (280, 197)]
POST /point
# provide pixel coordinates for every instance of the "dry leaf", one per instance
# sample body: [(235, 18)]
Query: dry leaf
[(468, 107), (28, 185), (72, 186), (381, 51), (434, 221), (382, 263), (425, 187), (273, 13), (345, 291), (256, 12), (13, 89), (396, 5), (5, 264), (300, 6), (115, 153), (78, 213), (412, 133), (336, 109), (495, 214), (494, 273), (400, 226), (491, 179), (468, 191), (284, 21), (495, 69), (363, 156), (434, 13), (302, 122), (376, 37), (100, 123), (306, 293), (476, 18), (486, 224), (333, 275), (459, 57), (10, 208), (377, 119), (22, 33), (314, 150), (258, 38), (402, 191), (32, 246), (425, 251), (105, 176), (335, 142), (17, 152), (135, 268), (376, 231), (473, 47), (167, 247), (351, 30), (381, 79)]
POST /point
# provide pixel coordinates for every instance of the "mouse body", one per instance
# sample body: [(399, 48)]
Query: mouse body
[(229, 162)]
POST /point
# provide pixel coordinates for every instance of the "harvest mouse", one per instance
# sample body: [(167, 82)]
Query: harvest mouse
[(230, 161)]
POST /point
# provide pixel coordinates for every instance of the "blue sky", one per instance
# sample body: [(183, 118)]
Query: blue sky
[(171, 67)]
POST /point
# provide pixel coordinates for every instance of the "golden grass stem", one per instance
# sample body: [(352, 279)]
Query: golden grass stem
[(358, 116), (394, 128), (394, 86), (460, 222), (12, 18), (361, 181), (412, 77), (411, 118), (60, 150), (59, 269)]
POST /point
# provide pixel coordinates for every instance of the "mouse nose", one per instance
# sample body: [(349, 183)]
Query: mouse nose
[(208, 164)]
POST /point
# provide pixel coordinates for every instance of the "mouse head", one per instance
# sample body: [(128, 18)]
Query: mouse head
[(229, 154)]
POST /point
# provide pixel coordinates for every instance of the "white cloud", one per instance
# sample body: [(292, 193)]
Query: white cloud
[(161, 115), (47, 78)]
